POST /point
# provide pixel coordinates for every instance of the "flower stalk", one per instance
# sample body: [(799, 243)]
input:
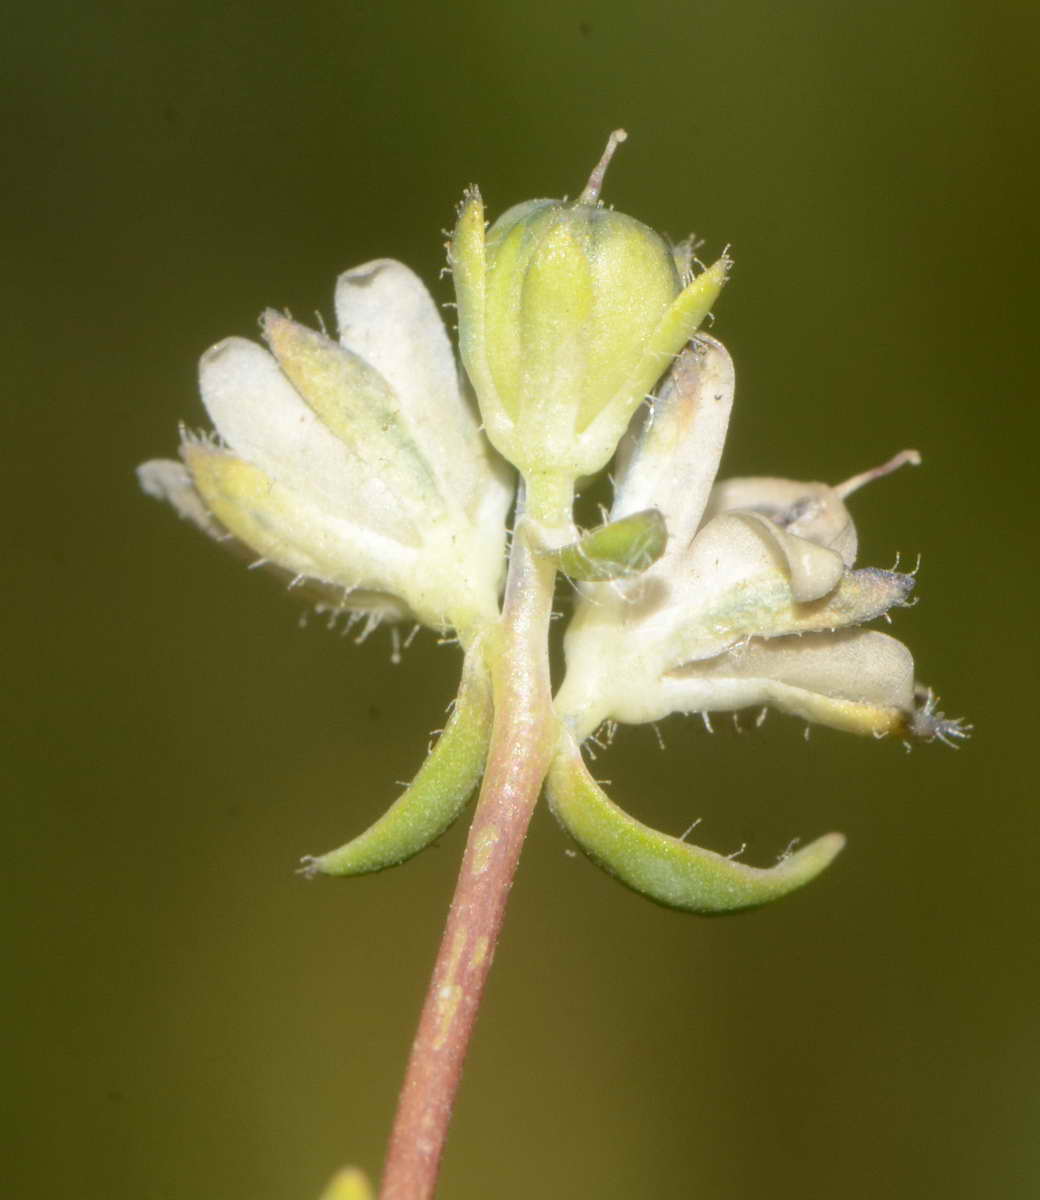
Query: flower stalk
[(522, 742)]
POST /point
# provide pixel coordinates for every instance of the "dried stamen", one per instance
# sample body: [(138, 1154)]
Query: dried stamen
[(902, 459)]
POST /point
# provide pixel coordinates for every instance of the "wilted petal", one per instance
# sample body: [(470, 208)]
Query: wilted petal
[(738, 548), (813, 569), (740, 576), (858, 680), (813, 511), (746, 578)]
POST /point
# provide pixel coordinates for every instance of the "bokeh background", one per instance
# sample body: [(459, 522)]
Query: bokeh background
[(193, 1021)]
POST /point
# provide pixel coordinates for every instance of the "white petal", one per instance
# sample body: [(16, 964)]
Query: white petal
[(858, 680), (859, 664), (262, 417), (388, 318), (356, 403), (171, 481), (667, 461), (168, 480), (669, 458), (386, 315), (741, 576), (286, 528)]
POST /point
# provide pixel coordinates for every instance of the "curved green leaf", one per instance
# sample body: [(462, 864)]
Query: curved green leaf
[(666, 869), (435, 796)]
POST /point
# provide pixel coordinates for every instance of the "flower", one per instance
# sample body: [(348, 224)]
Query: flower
[(754, 601), (355, 467)]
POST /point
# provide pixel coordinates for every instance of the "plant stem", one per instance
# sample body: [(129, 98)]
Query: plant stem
[(521, 748)]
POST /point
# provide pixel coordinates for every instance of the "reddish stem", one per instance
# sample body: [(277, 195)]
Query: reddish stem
[(521, 747)]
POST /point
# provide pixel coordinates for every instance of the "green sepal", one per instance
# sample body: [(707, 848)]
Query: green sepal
[(620, 550), (666, 869), (435, 796)]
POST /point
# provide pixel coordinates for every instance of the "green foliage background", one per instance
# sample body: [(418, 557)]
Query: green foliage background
[(190, 1019)]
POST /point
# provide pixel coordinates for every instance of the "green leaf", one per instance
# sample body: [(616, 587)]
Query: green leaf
[(666, 869), (435, 796)]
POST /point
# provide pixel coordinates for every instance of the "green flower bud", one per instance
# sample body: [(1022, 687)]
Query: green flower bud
[(569, 313)]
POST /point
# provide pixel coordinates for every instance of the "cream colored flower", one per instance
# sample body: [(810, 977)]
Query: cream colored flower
[(355, 466), (357, 469), (755, 600)]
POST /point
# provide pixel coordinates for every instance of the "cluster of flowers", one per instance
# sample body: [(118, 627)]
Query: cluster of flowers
[(359, 469)]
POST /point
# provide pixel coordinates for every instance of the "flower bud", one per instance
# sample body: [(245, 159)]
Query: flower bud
[(569, 313), (349, 1184)]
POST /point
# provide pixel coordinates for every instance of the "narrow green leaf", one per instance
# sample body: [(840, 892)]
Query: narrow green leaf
[(666, 869), (435, 796)]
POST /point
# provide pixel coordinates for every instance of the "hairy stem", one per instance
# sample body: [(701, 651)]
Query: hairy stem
[(521, 747)]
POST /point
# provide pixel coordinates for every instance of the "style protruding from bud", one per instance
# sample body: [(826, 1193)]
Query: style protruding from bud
[(569, 313), (590, 193)]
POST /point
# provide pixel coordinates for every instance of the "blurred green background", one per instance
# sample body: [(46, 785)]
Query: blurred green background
[(190, 1019)]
